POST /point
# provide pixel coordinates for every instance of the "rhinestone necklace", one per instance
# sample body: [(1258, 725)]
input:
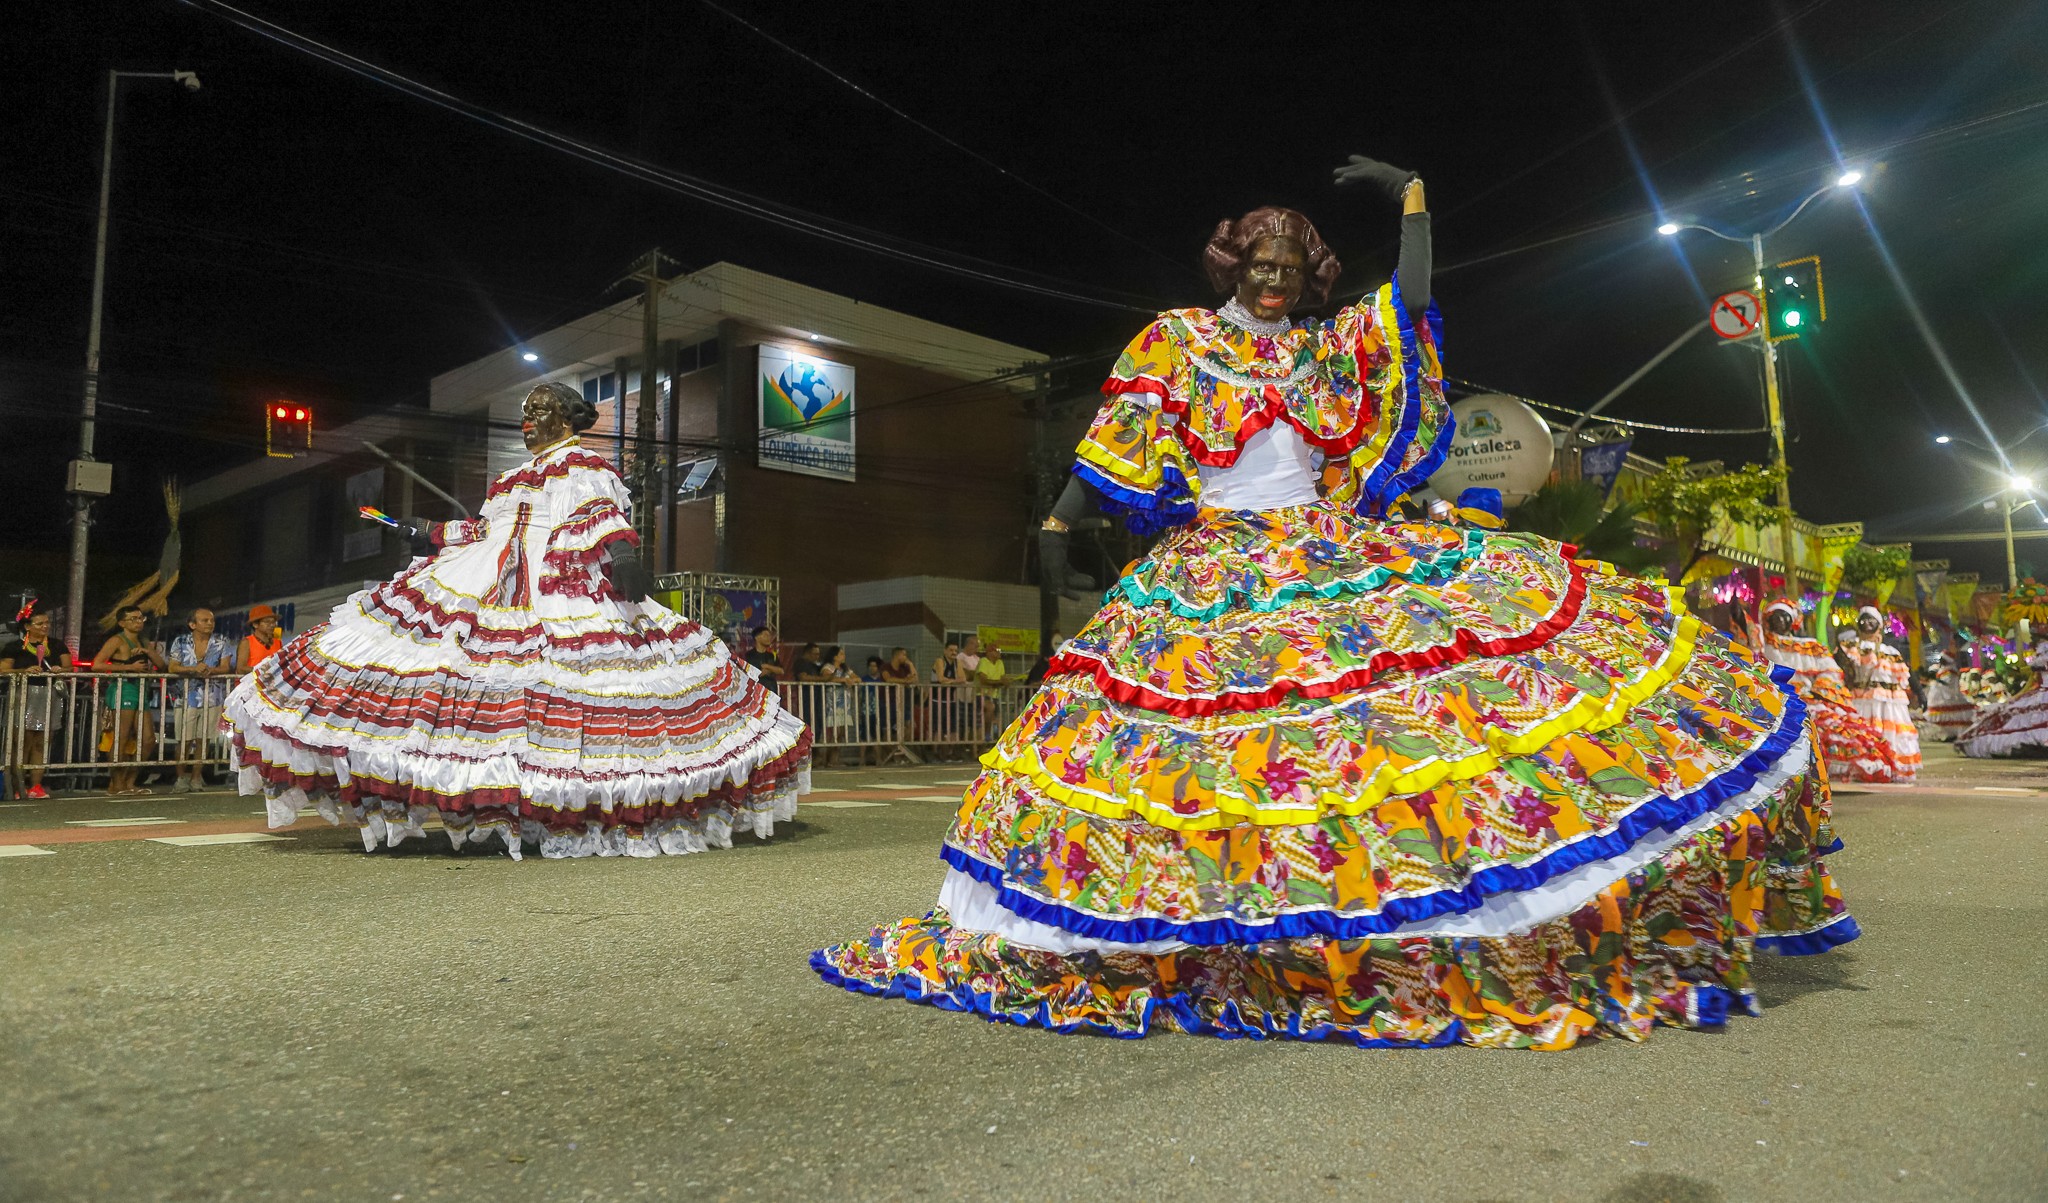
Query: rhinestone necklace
[(1237, 315)]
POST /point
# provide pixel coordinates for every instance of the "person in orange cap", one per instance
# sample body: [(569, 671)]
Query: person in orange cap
[(262, 642)]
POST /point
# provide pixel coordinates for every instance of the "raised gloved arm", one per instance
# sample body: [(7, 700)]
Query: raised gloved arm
[(1399, 184)]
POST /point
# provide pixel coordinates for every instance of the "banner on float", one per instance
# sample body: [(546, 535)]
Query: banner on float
[(1931, 591), (1602, 464), (1009, 641), (806, 413)]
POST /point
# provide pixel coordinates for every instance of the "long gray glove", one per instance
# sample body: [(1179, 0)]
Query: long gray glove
[(630, 579), (1413, 270), (418, 534), (1372, 173), (1075, 503)]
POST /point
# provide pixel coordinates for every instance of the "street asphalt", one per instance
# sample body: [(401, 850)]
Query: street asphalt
[(296, 1019)]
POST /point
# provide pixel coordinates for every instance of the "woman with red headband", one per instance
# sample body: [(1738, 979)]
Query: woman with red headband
[(1321, 769), (32, 654)]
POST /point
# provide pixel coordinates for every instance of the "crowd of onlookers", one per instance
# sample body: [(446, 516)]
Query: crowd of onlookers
[(960, 714), (159, 702), (162, 701)]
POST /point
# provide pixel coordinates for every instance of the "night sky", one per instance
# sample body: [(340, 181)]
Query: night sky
[(296, 230)]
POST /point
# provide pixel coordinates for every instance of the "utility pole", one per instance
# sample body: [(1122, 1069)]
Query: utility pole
[(86, 482), (1774, 410), (1044, 496), (647, 423), (2012, 568)]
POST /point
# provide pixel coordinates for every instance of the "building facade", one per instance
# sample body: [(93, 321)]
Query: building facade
[(795, 433)]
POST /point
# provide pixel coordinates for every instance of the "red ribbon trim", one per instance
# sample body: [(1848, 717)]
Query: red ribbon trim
[(1464, 645), (1273, 409)]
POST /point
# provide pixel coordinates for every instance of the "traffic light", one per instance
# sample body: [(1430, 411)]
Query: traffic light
[(1794, 301), (287, 429)]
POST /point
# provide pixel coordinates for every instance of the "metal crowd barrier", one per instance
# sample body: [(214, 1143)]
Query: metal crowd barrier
[(947, 721), (78, 727)]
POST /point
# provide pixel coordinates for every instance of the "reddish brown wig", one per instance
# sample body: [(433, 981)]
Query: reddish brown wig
[(1233, 241)]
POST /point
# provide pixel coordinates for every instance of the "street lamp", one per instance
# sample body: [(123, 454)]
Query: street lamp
[(1773, 407), (85, 483), (2021, 486)]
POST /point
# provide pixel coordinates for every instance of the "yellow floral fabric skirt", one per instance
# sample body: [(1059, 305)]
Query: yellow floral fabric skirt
[(1311, 775)]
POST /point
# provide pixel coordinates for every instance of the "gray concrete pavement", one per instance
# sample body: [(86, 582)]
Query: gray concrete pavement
[(299, 1020)]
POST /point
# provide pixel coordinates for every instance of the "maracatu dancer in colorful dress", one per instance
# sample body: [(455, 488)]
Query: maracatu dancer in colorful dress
[(1852, 748), (1318, 770), (516, 682), (1878, 677)]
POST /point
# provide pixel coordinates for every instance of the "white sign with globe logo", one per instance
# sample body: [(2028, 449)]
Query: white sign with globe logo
[(1501, 444), (806, 414)]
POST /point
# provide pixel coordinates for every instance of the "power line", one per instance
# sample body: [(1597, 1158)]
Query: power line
[(787, 216), (976, 155), (1603, 418)]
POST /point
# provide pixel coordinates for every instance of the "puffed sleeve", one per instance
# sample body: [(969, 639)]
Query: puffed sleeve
[(589, 510), (1398, 364), (1130, 454)]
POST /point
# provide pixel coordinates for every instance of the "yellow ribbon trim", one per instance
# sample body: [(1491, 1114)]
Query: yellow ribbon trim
[(1589, 714)]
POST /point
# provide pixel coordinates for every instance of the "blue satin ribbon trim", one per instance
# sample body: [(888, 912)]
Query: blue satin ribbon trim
[(1667, 813), (1387, 483), (1807, 944), (1143, 513), (1229, 1023)]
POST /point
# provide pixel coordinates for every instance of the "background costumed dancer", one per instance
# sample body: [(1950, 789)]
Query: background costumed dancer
[(1949, 709), (514, 681), (1852, 748), (2016, 725), (1879, 681), (1318, 771)]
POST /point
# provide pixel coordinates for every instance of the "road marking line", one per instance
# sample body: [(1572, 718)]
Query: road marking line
[(120, 822), (845, 804), (231, 837), (25, 850)]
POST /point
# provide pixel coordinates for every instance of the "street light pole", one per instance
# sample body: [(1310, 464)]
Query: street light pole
[(1774, 408), (2012, 570), (81, 502)]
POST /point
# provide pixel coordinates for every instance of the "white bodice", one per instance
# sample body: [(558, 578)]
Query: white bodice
[(1275, 468)]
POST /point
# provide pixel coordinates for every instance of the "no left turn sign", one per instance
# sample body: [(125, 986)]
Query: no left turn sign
[(1735, 314)]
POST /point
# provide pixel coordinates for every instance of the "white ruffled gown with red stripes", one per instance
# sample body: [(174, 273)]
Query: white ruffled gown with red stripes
[(503, 689)]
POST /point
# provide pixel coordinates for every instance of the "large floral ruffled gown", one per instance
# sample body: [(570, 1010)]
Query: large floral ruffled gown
[(2015, 725), (1853, 749), (503, 688), (1317, 772), (1885, 701)]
